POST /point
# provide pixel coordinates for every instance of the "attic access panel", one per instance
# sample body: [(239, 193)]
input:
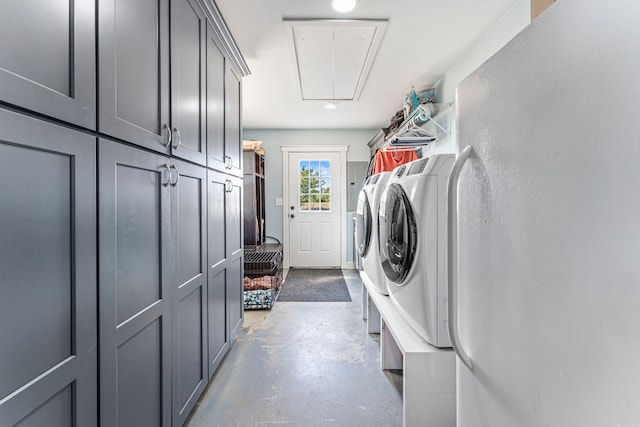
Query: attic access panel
[(331, 58)]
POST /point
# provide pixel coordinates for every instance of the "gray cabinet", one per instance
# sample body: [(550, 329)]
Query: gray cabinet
[(135, 287), (153, 286), (156, 285), (133, 57), (235, 295), (235, 252), (48, 337), (232, 120), (217, 158), (189, 299), (47, 58), (225, 254), (224, 144), (188, 80)]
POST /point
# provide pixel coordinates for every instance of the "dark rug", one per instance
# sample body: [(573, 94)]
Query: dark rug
[(316, 285)]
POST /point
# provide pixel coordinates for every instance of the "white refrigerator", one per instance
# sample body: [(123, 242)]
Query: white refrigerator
[(545, 258)]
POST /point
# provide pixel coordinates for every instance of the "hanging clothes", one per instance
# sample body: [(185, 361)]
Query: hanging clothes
[(389, 160)]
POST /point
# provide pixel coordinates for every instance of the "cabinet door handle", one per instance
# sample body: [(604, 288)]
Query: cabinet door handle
[(177, 175), (452, 199), (228, 186), (166, 130), (166, 184), (179, 138), (228, 162)]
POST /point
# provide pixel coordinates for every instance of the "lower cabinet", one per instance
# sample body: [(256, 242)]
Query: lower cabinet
[(135, 266), (167, 314), (48, 336), (189, 299), (225, 264)]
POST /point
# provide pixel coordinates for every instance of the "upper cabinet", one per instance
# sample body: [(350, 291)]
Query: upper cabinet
[(232, 121), (216, 155), (47, 58), (224, 145), (200, 122), (188, 80), (133, 54)]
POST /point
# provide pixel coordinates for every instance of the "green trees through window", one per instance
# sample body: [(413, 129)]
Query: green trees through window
[(315, 185)]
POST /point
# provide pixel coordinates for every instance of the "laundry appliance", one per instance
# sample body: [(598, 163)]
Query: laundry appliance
[(366, 229), (412, 241)]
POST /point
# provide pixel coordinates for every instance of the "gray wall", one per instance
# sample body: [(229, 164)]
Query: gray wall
[(518, 17), (274, 138)]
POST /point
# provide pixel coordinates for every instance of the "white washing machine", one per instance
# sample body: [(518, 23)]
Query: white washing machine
[(367, 229), (413, 252)]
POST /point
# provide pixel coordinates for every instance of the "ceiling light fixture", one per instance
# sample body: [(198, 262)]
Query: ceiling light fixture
[(330, 105), (343, 6)]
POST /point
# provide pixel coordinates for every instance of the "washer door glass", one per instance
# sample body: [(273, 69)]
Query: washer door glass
[(364, 222), (397, 233)]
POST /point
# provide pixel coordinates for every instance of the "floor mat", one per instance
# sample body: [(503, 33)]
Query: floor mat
[(316, 285)]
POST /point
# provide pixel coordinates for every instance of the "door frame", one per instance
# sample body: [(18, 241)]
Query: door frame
[(342, 151)]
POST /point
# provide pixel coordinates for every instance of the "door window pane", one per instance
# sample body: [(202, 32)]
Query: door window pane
[(314, 178)]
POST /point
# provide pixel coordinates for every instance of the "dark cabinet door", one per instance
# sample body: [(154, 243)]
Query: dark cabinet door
[(47, 58), (189, 299), (216, 156), (232, 112), (218, 335), (48, 336), (217, 186), (235, 296), (135, 286), (218, 332), (188, 69), (133, 50), (235, 251), (225, 297), (233, 213)]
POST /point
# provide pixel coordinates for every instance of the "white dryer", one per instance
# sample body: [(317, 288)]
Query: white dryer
[(412, 240), (367, 229)]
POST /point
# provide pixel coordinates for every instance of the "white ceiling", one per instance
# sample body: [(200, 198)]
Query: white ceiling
[(422, 40), (332, 57)]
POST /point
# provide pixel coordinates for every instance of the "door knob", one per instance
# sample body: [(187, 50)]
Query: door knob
[(292, 216)]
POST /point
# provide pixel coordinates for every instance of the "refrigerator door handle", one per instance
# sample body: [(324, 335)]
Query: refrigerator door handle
[(452, 200)]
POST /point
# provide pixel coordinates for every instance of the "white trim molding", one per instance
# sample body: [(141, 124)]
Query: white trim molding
[(342, 150)]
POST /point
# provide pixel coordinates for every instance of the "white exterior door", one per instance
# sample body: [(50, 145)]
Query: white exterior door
[(314, 209)]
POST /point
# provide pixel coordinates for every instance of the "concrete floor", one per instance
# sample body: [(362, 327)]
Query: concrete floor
[(304, 364)]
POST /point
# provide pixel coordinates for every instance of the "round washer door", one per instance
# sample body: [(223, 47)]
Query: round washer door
[(397, 233), (364, 222)]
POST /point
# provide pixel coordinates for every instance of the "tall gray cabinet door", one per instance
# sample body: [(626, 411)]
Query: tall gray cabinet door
[(216, 156), (234, 218), (235, 248), (135, 287), (188, 68), (233, 127), (48, 335), (47, 58), (133, 53), (235, 296), (189, 300), (218, 333), (217, 187)]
